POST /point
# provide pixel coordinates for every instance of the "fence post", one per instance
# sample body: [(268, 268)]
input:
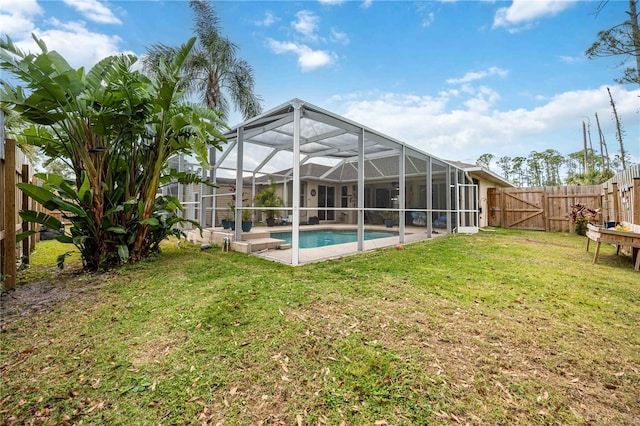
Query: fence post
[(10, 214), (26, 243), (636, 200), (502, 201), (616, 202)]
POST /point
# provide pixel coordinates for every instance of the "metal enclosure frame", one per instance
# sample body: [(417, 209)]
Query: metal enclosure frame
[(298, 133)]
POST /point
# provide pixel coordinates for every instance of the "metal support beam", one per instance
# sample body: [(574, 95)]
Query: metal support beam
[(331, 170), (239, 162), (295, 232), (449, 185), (361, 191), (429, 198), (268, 127), (401, 197), (203, 204), (214, 190), (266, 160), (226, 153), (181, 186)]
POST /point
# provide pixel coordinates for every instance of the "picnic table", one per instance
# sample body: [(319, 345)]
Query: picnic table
[(617, 238)]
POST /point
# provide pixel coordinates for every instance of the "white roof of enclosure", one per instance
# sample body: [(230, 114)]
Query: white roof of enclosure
[(323, 134)]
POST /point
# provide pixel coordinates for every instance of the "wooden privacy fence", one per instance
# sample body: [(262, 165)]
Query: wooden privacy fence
[(14, 168), (621, 197), (539, 208)]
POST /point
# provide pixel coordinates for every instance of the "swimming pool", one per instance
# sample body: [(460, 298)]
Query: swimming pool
[(328, 237)]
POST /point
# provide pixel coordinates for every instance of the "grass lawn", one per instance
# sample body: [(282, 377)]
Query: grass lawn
[(507, 327)]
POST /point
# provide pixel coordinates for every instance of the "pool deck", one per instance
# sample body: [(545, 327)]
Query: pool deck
[(309, 255)]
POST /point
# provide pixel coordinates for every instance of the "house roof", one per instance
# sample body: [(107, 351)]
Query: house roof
[(482, 173)]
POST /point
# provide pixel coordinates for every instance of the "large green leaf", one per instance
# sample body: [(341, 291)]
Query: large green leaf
[(64, 239), (38, 193), (69, 207), (60, 183), (185, 178), (60, 259), (84, 193), (26, 234), (116, 230), (123, 252), (42, 218), (152, 221)]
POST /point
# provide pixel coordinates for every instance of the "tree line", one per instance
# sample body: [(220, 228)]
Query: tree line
[(552, 168)]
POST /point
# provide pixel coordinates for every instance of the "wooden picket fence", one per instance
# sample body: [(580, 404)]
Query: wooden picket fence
[(14, 168)]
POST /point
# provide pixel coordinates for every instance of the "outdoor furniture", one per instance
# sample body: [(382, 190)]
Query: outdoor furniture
[(617, 238)]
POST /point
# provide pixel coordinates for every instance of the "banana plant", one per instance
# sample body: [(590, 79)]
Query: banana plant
[(116, 128)]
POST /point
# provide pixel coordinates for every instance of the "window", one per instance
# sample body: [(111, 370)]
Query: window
[(326, 198), (344, 196), (196, 210)]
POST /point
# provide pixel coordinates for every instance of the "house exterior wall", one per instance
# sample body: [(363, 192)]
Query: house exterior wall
[(482, 201), (483, 186)]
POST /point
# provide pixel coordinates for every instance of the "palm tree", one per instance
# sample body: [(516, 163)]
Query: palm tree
[(213, 69)]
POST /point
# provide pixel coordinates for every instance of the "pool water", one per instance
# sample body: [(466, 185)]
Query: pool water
[(328, 237)]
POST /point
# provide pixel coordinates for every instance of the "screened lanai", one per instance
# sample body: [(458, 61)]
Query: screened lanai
[(334, 173)]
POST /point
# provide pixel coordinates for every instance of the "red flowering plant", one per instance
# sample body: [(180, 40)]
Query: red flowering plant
[(580, 215)]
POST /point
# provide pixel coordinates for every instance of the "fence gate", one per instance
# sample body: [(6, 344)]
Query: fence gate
[(523, 209), (468, 216), (539, 208)]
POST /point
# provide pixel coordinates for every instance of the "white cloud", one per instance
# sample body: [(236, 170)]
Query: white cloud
[(306, 23), (339, 37), (524, 12), (78, 45), (433, 125), (478, 75), (366, 4), (94, 11), (308, 59), (483, 100), (331, 2), (268, 20), (424, 12), (17, 17), (428, 20), (571, 59)]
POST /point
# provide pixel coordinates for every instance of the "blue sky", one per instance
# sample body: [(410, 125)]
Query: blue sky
[(454, 78)]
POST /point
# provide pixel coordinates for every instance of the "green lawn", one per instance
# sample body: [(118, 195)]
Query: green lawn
[(501, 327)]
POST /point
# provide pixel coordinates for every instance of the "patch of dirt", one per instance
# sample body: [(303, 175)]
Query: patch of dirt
[(44, 295)]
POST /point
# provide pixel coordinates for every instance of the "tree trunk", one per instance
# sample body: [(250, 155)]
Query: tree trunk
[(635, 34), (618, 130)]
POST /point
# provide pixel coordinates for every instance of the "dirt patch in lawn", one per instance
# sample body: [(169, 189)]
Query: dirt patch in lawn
[(44, 295)]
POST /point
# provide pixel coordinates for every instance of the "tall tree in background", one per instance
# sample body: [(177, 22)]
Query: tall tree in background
[(506, 164), (213, 70), (620, 40), (619, 131), (485, 160), (604, 151)]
